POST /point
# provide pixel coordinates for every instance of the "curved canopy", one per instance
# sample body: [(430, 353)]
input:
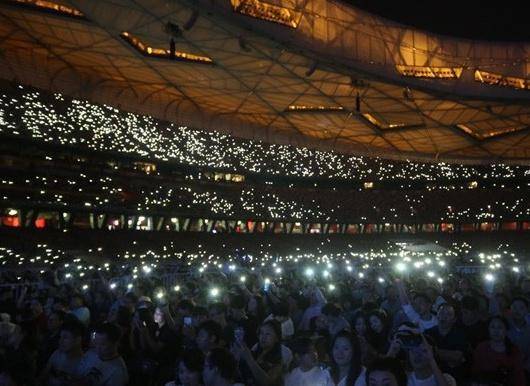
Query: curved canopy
[(316, 73)]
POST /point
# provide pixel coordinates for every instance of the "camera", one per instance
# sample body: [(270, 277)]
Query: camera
[(409, 340)]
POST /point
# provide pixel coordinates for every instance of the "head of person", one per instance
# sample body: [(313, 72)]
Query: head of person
[(270, 335), (129, 301), (446, 316), (502, 301), (331, 311), (255, 306), (56, 320), (359, 323), (497, 329), (208, 336), (237, 307), (464, 285), (346, 353), (76, 301), (519, 308), (391, 293), (200, 315), (217, 313), (219, 366), (189, 368), (107, 337), (71, 336), (306, 353), (377, 321), (185, 308), (124, 316), (36, 307), (60, 304), (470, 310), (280, 311), (386, 372), (422, 304), (159, 316)]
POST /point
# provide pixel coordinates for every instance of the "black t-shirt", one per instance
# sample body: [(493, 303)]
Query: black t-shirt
[(475, 333), (455, 340), (171, 343)]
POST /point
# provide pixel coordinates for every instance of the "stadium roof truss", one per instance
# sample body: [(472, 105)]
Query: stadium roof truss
[(316, 73)]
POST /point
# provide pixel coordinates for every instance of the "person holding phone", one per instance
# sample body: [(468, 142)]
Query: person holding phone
[(263, 365)]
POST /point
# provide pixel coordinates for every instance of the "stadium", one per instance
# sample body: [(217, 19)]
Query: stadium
[(221, 192)]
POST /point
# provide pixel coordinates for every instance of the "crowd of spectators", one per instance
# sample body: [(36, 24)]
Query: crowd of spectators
[(53, 118), (265, 325), (65, 187), (199, 318)]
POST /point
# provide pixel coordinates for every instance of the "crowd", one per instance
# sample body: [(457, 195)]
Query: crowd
[(53, 118), (265, 325), (65, 187), (215, 316)]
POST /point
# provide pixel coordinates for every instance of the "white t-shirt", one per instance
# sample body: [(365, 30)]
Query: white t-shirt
[(112, 372), (431, 381), (360, 381), (414, 317), (82, 314), (314, 377)]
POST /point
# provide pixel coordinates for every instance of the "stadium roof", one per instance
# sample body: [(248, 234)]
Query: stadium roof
[(316, 73)]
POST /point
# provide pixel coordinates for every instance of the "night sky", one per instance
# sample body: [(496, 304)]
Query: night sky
[(505, 20)]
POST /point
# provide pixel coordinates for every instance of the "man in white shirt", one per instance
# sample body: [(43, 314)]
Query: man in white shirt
[(419, 312), (104, 366)]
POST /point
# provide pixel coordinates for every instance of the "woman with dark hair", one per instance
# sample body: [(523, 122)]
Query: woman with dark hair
[(189, 369), (346, 368), (264, 365), (497, 359), (377, 334)]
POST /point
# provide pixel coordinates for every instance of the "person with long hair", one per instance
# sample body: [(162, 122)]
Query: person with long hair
[(346, 368), (378, 330), (497, 359)]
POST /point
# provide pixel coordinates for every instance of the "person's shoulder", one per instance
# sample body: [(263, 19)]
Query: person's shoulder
[(449, 379)]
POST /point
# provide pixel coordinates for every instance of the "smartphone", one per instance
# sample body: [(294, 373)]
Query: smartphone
[(188, 321)]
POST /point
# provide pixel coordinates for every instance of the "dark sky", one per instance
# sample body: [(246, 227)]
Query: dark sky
[(505, 20)]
